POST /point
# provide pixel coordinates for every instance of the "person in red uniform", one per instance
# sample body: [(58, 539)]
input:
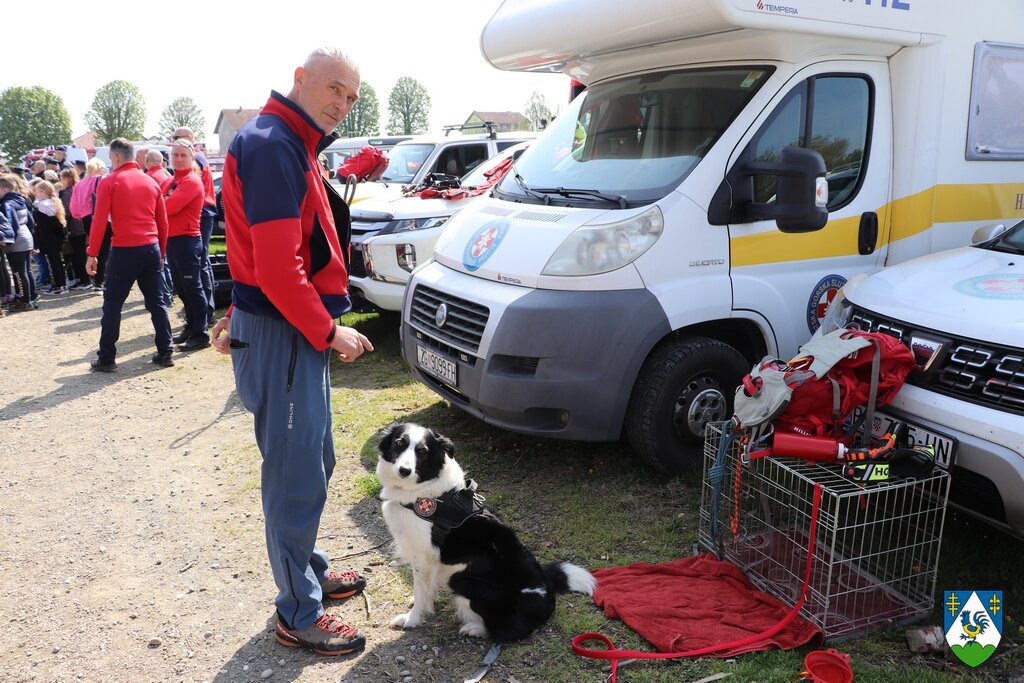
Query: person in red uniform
[(206, 219), (287, 237), (155, 166), (133, 204), (183, 195)]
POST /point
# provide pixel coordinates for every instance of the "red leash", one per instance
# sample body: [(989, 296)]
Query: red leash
[(609, 652)]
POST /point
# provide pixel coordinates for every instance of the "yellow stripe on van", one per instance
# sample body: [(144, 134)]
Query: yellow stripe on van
[(910, 216)]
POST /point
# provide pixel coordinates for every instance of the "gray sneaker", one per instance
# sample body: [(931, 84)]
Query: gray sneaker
[(327, 635)]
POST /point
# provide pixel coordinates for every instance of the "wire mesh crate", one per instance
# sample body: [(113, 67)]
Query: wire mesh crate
[(876, 551)]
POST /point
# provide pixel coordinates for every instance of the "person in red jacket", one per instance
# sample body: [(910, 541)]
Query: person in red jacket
[(183, 196), (155, 166), (132, 202), (286, 230), (206, 219)]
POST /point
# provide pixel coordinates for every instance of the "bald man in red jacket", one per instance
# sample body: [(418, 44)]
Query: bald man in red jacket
[(135, 207)]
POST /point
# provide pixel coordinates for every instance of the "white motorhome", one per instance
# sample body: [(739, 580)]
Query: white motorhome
[(676, 223)]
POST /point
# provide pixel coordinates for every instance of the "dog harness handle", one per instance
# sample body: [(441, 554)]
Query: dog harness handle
[(610, 652)]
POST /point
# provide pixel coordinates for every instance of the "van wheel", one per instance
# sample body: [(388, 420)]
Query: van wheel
[(683, 385)]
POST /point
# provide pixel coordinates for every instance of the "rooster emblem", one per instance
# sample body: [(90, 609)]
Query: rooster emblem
[(971, 631)]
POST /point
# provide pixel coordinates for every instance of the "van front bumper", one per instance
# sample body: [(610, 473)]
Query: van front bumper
[(988, 475), (554, 363)]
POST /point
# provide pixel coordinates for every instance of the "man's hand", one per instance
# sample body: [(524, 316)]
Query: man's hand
[(90, 265), (349, 344), (220, 337)]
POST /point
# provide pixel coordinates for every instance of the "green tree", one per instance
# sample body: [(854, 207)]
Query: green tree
[(364, 119), (118, 111), (183, 111), (29, 118), (408, 107), (538, 113)]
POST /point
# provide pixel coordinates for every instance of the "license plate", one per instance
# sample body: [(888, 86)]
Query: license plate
[(916, 435), (438, 366)]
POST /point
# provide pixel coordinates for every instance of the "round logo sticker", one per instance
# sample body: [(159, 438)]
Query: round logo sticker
[(999, 286), (483, 243), (821, 297), (425, 506)]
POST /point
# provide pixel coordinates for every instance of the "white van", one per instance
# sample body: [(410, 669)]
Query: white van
[(405, 229), (676, 224), (411, 161), (961, 312)]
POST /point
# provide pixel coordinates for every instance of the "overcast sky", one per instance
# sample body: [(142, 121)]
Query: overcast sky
[(226, 54)]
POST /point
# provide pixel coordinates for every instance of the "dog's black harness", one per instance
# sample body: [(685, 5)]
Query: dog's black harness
[(450, 510)]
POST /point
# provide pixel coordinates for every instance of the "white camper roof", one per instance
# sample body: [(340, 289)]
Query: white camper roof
[(572, 36)]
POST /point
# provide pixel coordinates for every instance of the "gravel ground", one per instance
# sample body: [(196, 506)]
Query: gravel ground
[(131, 533)]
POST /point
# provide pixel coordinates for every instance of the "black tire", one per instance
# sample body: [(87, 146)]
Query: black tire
[(683, 385)]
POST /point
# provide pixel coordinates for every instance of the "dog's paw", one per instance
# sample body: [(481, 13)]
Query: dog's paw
[(473, 629), (407, 620)]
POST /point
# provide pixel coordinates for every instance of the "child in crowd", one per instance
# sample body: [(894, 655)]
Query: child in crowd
[(51, 232)]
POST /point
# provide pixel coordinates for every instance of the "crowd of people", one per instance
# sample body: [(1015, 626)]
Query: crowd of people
[(47, 234)]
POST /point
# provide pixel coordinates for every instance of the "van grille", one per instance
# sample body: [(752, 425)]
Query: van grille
[(464, 324), (974, 371)]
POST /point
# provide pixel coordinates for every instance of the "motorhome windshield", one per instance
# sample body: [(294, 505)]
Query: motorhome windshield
[(632, 139), (404, 161)]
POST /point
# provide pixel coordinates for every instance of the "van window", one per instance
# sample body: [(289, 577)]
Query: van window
[(634, 137), (995, 129), (830, 114)]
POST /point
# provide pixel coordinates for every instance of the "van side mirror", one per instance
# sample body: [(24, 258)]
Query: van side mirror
[(801, 193)]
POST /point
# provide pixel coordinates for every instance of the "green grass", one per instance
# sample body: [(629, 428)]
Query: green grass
[(217, 245), (594, 505)]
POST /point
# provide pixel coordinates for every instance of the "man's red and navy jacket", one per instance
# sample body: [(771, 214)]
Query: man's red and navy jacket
[(284, 252)]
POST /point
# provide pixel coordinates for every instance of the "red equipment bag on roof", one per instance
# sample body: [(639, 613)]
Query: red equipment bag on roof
[(367, 164)]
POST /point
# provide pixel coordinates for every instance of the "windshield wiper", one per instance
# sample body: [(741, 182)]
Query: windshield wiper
[(528, 190), (583, 192)]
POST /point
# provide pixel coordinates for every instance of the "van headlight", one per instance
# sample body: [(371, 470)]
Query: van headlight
[(593, 249), (415, 224)]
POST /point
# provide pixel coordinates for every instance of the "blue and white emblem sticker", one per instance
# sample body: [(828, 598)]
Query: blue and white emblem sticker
[(999, 286), (974, 624), (821, 297), (483, 243)]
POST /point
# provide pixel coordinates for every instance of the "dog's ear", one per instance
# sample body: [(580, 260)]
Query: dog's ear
[(389, 436), (445, 443)]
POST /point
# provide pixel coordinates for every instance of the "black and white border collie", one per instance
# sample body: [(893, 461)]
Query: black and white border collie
[(441, 527)]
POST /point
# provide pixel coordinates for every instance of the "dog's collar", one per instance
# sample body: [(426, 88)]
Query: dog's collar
[(451, 509)]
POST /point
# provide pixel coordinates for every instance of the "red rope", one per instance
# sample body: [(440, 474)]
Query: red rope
[(610, 652)]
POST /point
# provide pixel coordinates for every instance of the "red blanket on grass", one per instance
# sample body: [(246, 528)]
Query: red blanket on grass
[(696, 602)]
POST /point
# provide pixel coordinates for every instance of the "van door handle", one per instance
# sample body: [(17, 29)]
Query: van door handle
[(867, 237)]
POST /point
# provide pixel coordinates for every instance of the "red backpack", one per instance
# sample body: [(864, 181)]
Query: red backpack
[(817, 392)]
